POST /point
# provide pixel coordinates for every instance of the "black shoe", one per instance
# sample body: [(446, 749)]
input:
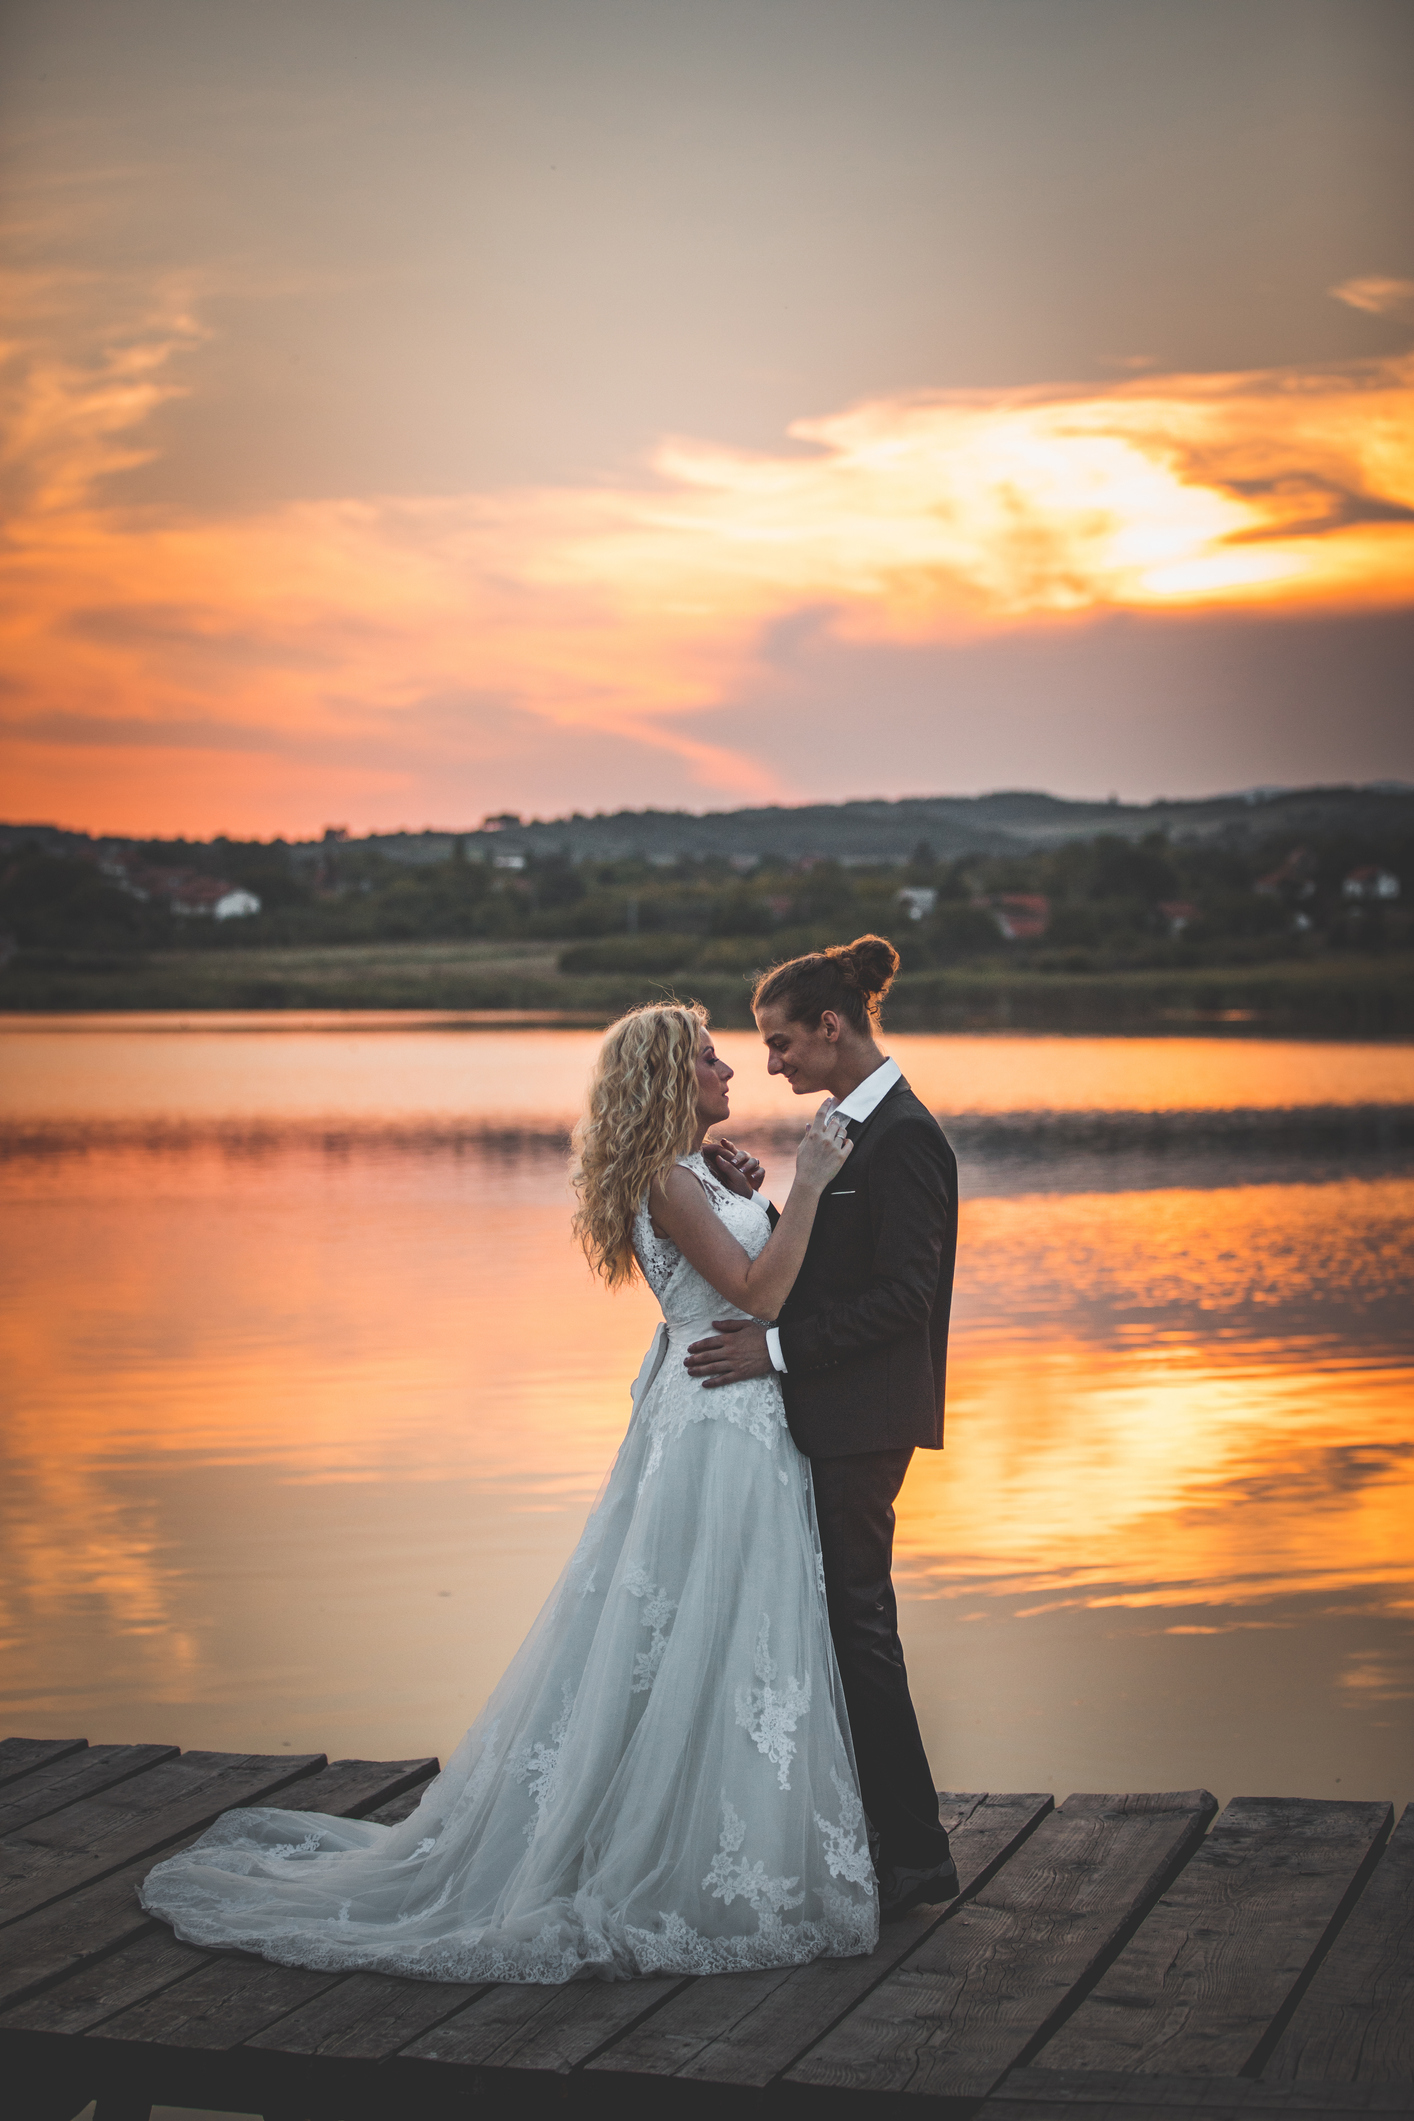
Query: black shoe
[(901, 1889)]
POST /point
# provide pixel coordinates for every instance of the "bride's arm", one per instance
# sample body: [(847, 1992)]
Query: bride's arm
[(681, 1210)]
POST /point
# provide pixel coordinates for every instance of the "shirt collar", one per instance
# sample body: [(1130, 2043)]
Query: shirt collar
[(865, 1096)]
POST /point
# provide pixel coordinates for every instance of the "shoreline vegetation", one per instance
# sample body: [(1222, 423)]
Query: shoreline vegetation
[(1280, 912), (1331, 997)]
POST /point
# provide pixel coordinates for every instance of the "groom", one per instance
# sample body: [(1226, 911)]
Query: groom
[(861, 1348)]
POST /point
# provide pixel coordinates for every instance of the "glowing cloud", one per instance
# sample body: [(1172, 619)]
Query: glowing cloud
[(350, 645), (1380, 297)]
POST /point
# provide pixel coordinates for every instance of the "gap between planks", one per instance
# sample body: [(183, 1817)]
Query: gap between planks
[(988, 1986), (1203, 1985)]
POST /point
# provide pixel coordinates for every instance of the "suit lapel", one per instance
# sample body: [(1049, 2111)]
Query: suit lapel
[(857, 1128), (821, 1237)]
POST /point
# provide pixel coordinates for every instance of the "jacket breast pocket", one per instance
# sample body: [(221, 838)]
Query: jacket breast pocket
[(842, 1225)]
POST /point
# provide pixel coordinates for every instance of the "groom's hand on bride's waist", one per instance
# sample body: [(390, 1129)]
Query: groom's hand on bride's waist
[(736, 1351)]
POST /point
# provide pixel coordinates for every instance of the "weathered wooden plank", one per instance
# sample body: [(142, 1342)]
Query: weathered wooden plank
[(151, 1960), (366, 2018), (76, 1847), (1115, 2095), (58, 1941), (357, 1789), (402, 1806), (553, 2030), (988, 1983), (1355, 2023), (21, 1756), (1197, 1988), (70, 1780), (746, 2029), (955, 1806), (222, 2001)]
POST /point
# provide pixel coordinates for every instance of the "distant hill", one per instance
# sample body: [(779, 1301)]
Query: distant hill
[(1013, 822), (1017, 821)]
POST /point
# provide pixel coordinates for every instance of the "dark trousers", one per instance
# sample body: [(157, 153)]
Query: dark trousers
[(854, 1505)]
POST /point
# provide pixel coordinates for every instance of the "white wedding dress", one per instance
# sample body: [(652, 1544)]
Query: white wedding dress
[(663, 1780)]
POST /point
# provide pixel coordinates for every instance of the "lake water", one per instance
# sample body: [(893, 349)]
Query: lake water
[(307, 1392)]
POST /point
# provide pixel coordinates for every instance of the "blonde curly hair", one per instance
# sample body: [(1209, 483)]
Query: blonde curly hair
[(640, 1115)]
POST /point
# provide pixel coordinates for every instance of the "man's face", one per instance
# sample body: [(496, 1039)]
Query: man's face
[(805, 1057)]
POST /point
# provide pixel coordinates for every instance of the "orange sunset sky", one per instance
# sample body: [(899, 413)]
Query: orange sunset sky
[(418, 410)]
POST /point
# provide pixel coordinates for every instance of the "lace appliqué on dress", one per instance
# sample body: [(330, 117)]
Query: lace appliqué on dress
[(846, 1857), (731, 1878), (658, 1256), (658, 1610), (283, 1850), (769, 1718), (849, 1926), (759, 1415), (539, 1763), (585, 1559)]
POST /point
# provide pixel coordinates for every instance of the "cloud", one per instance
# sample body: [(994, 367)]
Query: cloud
[(68, 422), (627, 613), (1378, 296)]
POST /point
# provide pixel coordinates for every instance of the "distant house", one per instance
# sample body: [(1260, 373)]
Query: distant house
[(918, 901), (1022, 916), (194, 897), (1178, 912), (1370, 883), (187, 891), (508, 861), (237, 905), (1293, 878)]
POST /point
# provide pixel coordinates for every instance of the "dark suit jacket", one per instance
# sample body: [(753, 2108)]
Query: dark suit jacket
[(864, 1332)]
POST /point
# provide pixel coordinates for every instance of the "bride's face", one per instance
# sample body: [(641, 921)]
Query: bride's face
[(713, 1075)]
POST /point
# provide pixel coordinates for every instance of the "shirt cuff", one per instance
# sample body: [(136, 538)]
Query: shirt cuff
[(773, 1349)]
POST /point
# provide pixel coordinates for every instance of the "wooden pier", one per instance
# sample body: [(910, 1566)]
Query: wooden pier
[(1110, 1958)]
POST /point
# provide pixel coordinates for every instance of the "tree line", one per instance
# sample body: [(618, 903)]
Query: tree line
[(1104, 903)]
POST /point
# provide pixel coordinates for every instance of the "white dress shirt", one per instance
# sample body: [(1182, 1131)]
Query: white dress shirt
[(858, 1105)]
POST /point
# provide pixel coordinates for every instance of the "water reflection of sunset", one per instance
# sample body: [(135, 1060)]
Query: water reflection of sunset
[(1174, 1263), (1158, 1477), (185, 1070), (278, 1392)]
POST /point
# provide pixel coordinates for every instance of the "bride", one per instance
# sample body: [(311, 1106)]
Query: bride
[(663, 1780)]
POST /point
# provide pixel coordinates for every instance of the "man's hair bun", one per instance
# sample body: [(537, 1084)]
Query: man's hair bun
[(850, 978), (869, 963)]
